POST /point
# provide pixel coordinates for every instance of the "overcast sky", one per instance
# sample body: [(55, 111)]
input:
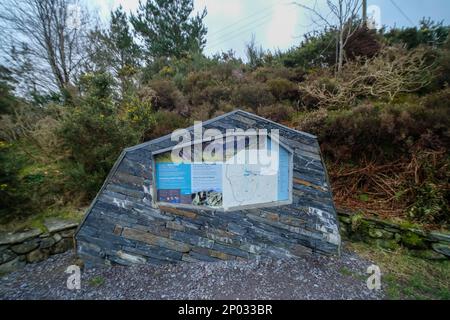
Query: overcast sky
[(278, 23)]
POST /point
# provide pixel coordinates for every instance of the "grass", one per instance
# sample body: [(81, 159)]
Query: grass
[(37, 220), (96, 281), (408, 277)]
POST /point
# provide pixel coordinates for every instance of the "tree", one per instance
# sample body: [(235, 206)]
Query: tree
[(168, 29), (255, 55), (7, 99), (342, 16), (429, 33), (46, 37), (115, 50)]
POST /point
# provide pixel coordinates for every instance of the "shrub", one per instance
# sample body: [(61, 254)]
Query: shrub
[(166, 95), (393, 72), (166, 122), (252, 95), (93, 132), (282, 88), (277, 112)]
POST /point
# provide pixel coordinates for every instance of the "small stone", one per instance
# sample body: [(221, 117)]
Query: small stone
[(387, 244), (25, 247), (67, 233), (57, 237), (380, 234), (6, 255), (36, 256), (47, 243), (62, 246), (442, 248), (12, 265)]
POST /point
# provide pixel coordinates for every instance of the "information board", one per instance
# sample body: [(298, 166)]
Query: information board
[(223, 184)]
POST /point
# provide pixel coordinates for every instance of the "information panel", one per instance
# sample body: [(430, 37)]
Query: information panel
[(223, 184)]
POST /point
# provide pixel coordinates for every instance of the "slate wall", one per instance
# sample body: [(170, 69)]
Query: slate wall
[(121, 226)]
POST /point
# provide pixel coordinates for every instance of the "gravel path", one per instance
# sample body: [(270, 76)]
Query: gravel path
[(306, 278)]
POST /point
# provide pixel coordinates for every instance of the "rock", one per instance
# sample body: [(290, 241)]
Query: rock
[(151, 239), (36, 256), (6, 255), (79, 262), (69, 233), (131, 258), (47, 243), (387, 244), (62, 246), (12, 238), (25, 247), (380, 234), (12, 265), (439, 236), (443, 248), (55, 225), (57, 237), (413, 240)]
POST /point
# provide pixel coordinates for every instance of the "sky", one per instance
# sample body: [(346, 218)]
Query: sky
[(279, 24)]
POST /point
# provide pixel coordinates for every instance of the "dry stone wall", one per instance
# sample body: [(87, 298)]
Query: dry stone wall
[(390, 236), (20, 248)]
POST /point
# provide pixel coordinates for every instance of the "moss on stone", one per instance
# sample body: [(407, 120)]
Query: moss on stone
[(413, 240)]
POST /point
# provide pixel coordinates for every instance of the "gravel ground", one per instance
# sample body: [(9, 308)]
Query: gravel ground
[(313, 277)]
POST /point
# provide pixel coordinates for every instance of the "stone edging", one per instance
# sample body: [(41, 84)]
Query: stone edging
[(387, 235), (18, 249)]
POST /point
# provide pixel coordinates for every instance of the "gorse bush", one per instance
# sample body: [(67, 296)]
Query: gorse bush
[(94, 132)]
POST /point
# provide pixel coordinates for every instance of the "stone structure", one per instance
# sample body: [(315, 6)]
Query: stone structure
[(125, 225), (431, 245), (20, 248)]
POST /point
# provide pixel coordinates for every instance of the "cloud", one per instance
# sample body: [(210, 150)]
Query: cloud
[(280, 31)]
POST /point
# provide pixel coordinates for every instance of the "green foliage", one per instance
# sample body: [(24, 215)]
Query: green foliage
[(429, 33), (168, 29), (115, 49), (252, 95), (166, 123), (166, 95), (94, 133), (277, 112), (316, 50), (431, 204), (283, 89), (7, 99)]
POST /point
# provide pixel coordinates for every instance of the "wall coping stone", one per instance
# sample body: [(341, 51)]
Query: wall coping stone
[(17, 237)]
